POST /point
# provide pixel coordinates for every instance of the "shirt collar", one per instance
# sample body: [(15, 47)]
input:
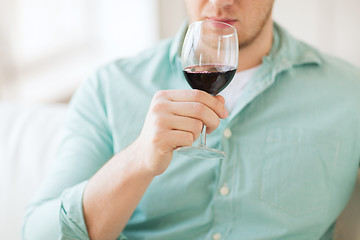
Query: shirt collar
[(285, 53)]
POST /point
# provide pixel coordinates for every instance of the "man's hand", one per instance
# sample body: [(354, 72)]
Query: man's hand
[(175, 120)]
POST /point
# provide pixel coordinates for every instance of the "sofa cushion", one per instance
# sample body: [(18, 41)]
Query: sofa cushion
[(29, 135)]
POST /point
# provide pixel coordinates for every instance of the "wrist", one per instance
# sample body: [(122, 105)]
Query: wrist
[(137, 161)]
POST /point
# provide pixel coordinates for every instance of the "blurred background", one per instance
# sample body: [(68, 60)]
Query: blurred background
[(47, 48)]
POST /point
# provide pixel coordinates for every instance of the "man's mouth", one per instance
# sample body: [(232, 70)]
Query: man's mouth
[(224, 20)]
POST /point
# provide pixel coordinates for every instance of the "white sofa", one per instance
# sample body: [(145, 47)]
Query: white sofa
[(29, 136)]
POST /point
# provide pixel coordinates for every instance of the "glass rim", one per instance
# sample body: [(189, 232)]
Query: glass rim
[(212, 21)]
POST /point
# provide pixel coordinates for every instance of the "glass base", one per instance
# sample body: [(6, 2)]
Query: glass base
[(201, 152)]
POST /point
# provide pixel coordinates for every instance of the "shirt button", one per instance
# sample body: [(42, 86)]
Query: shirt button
[(224, 190), (227, 133), (216, 236)]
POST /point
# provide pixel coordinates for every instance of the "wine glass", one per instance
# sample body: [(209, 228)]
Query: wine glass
[(209, 60)]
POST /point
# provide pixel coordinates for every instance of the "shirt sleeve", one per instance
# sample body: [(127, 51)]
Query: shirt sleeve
[(56, 212), (72, 224)]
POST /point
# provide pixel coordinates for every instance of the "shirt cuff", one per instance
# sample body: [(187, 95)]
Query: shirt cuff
[(72, 222)]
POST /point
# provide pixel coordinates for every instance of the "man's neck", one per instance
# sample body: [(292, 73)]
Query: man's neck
[(251, 55)]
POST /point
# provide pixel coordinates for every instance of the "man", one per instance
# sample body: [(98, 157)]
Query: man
[(292, 138)]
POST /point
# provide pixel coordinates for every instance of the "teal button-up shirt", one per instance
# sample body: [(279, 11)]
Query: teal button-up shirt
[(292, 143)]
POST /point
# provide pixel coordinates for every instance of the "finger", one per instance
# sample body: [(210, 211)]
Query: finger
[(196, 96), (198, 111), (178, 139), (188, 124), (220, 98)]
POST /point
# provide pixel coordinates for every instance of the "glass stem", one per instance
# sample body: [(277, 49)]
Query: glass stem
[(202, 142)]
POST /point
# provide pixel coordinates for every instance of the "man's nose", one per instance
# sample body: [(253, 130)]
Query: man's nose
[(221, 3)]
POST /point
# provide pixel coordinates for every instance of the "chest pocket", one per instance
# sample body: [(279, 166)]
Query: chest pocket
[(296, 166)]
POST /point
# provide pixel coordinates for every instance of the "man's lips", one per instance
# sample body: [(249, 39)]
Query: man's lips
[(224, 20)]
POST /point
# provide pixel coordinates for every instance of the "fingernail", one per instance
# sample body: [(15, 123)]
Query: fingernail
[(225, 114)]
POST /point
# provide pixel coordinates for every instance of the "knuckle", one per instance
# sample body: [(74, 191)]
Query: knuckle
[(199, 109), (158, 106), (156, 140), (196, 94), (158, 137), (160, 94), (159, 122)]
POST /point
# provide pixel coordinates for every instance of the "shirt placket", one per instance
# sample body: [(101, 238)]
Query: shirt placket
[(230, 166)]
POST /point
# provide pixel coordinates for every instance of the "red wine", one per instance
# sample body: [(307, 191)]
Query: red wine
[(209, 78)]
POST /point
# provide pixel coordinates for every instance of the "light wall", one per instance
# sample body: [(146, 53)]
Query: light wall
[(330, 25), (49, 48)]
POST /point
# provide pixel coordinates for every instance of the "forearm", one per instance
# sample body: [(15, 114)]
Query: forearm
[(113, 193)]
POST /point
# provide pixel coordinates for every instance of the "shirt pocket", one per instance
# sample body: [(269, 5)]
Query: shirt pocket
[(297, 166)]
